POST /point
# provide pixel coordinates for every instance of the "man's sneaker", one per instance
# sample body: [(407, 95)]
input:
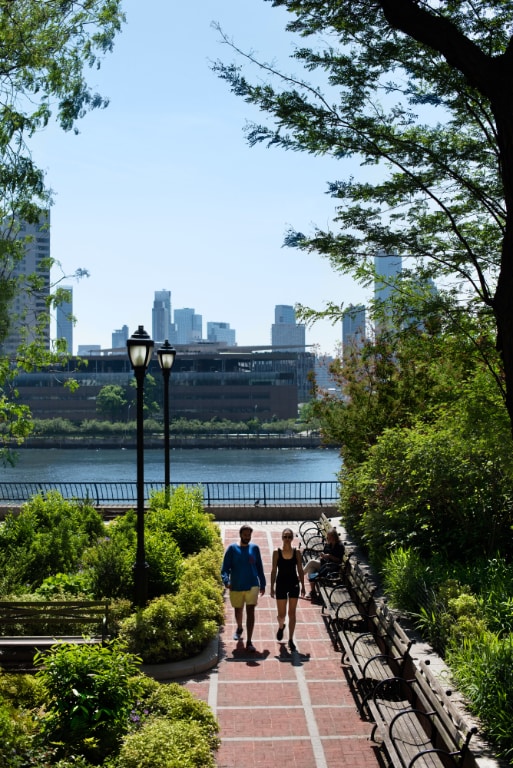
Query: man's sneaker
[(279, 633), (250, 647), (292, 646), (237, 635)]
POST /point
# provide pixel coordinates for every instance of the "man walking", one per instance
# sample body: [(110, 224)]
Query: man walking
[(242, 573)]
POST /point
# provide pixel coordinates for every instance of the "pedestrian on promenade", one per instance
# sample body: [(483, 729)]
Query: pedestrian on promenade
[(287, 572), (242, 573), (330, 558)]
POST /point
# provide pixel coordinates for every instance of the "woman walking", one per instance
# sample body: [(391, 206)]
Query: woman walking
[(286, 574)]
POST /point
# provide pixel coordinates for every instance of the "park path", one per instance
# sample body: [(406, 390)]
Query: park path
[(279, 709)]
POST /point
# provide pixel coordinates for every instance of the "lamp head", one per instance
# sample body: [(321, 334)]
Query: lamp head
[(166, 355), (140, 348)]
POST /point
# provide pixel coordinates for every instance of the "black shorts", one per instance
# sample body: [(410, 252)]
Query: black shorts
[(287, 590)]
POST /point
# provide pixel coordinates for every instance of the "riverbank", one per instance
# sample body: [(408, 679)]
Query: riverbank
[(236, 442)]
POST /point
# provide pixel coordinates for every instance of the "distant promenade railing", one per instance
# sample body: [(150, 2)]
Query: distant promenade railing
[(236, 494)]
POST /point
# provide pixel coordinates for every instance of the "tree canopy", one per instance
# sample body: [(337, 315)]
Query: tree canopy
[(419, 91), (46, 47)]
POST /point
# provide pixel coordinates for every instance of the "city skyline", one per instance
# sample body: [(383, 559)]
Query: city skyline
[(161, 188), (214, 328)]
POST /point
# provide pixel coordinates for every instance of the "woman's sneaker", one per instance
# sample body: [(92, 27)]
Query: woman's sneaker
[(279, 633), (237, 635)]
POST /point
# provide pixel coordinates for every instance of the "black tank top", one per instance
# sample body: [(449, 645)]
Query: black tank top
[(287, 568)]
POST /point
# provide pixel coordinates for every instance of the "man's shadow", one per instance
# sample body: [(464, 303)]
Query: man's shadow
[(251, 658)]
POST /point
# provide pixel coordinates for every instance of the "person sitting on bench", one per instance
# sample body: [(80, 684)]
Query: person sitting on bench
[(329, 560)]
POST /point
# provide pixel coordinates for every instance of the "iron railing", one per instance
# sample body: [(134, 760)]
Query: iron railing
[(235, 494)]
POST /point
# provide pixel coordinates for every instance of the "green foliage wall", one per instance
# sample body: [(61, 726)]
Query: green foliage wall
[(433, 490)]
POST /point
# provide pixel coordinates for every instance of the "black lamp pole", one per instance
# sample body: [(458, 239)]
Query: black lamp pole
[(140, 348), (166, 355)]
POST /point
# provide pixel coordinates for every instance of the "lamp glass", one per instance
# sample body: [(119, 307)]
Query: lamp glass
[(140, 348), (166, 355)]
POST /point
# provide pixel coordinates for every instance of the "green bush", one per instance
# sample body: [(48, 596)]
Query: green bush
[(406, 579), (164, 560), (47, 537), (483, 669), (90, 690), (177, 703), (20, 696), (88, 707), (430, 489), (63, 585), (110, 567), (182, 516), (174, 627), (164, 744)]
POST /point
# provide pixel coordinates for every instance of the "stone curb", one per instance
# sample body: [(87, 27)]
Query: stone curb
[(187, 667)]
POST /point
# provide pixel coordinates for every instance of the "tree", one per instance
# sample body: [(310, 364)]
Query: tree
[(111, 401), (420, 91), (45, 48)]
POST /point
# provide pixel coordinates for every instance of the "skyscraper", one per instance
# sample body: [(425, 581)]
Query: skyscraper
[(285, 332), (162, 327), (64, 320), (221, 332), (353, 327), (29, 306), (188, 325), (120, 337), (388, 267)]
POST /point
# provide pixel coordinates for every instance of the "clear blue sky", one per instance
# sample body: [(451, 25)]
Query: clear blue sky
[(161, 191)]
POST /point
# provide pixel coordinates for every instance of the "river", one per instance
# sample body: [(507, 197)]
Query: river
[(186, 466)]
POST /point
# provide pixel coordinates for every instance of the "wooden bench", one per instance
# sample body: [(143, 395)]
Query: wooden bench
[(27, 627), (375, 649), (417, 723), (344, 591), (315, 530)]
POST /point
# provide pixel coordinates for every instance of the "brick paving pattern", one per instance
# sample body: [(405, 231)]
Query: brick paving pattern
[(280, 709)]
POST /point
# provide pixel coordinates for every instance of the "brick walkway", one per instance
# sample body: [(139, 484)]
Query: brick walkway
[(279, 709)]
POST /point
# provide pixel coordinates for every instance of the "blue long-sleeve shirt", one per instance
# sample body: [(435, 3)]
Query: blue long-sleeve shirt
[(242, 567)]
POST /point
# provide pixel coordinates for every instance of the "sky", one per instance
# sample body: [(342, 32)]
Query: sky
[(161, 190)]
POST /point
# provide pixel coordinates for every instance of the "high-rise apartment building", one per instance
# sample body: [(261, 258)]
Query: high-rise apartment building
[(188, 326), (221, 332), (285, 332), (29, 307), (64, 320), (353, 327), (120, 337), (388, 267), (162, 327)]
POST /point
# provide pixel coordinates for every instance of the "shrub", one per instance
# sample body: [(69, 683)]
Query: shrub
[(20, 695), (177, 703), (110, 562), (175, 627), (164, 744), (431, 489), (62, 585), (406, 579), (483, 669), (164, 560), (47, 537), (90, 690), (183, 517)]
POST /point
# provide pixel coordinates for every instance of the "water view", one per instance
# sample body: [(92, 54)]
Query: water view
[(187, 466)]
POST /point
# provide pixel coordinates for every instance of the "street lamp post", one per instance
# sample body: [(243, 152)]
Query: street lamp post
[(140, 348), (166, 355)]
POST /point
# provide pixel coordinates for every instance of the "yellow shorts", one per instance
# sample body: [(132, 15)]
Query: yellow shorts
[(249, 597)]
